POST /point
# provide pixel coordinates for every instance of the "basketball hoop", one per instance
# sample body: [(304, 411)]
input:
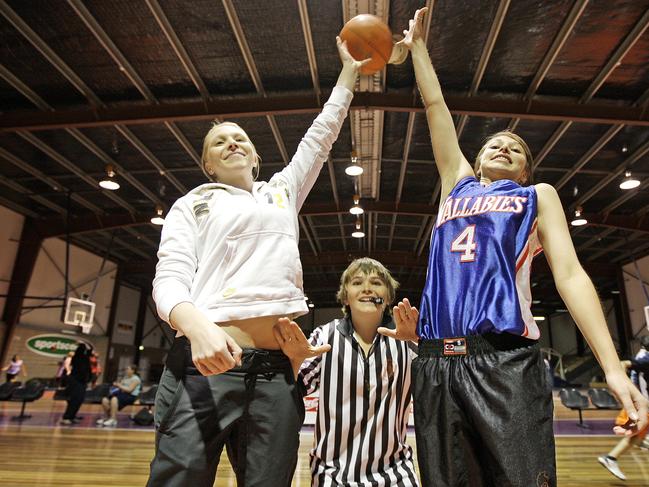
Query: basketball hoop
[(81, 313)]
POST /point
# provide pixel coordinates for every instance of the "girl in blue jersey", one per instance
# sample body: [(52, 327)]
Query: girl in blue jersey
[(483, 405)]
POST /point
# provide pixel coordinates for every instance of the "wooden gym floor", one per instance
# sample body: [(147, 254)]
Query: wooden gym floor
[(53, 455)]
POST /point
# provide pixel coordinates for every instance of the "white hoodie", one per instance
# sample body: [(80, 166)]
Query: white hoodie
[(234, 254)]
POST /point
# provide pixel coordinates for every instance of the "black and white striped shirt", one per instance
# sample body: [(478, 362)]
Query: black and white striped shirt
[(363, 409)]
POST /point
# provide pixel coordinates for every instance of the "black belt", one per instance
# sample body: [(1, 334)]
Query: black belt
[(253, 360), (473, 345)]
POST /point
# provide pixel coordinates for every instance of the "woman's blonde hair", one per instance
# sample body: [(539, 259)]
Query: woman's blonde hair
[(367, 266), (206, 147), (528, 154)]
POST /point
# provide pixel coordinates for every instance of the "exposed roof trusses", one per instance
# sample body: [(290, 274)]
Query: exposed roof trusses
[(84, 84)]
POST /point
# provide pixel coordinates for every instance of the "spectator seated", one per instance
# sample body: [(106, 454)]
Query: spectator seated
[(95, 395), (30, 392)]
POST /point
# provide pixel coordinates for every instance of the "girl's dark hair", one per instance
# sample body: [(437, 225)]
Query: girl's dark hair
[(529, 160), (82, 349)]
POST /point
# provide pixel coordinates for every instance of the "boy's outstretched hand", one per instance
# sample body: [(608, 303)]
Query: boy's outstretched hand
[(405, 317), (294, 344)]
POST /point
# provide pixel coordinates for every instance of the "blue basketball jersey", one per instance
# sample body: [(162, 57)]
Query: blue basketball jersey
[(481, 252)]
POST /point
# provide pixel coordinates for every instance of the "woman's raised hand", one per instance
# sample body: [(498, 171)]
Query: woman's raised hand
[(415, 29)]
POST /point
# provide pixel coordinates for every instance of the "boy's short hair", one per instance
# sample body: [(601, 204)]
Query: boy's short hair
[(367, 266)]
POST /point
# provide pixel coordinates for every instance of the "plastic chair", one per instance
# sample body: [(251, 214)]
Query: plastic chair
[(602, 399), (7, 389), (95, 395), (147, 398), (575, 400), (30, 392)]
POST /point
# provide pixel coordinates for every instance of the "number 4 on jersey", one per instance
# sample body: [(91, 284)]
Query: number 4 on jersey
[(465, 243)]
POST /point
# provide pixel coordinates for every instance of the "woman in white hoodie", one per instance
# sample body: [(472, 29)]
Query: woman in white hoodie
[(228, 269)]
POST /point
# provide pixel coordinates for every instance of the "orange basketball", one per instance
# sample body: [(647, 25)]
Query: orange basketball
[(367, 36)]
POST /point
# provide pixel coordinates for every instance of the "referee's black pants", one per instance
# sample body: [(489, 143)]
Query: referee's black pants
[(484, 418), (254, 410)]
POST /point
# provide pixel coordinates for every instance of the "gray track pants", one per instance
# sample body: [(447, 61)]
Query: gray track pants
[(255, 411)]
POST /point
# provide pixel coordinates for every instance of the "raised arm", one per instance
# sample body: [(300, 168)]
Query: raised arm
[(313, 149), (577, 291), (451, 163)]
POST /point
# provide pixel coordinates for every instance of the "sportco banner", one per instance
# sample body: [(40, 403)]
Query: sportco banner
[(54, 345)]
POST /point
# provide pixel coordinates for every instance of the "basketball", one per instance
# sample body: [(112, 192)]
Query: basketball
[(367, 36)]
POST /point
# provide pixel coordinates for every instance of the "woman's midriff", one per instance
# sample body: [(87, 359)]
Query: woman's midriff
[(253, 332)]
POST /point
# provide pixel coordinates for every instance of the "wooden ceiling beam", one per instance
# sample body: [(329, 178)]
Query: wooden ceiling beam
[(257, 106)]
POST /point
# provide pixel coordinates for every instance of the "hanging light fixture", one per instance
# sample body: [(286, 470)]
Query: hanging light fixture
[(354, 169), (109, 181), (356, 209), (358, 233), (578, 220), (629, 182), (158, 219)]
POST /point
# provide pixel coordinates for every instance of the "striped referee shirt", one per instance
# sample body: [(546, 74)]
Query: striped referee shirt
[(363, 409)]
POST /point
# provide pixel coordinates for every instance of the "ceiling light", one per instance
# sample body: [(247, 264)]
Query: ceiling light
[(578, 220), (358, 233), (311, 305), (109, 181), (629, 182), (158, 219), (539, 318), (356, 209), (354, 169)]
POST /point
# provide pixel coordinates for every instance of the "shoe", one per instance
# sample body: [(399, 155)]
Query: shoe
[(612, 466), (110, 422), (66, 422), (100, 421)]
